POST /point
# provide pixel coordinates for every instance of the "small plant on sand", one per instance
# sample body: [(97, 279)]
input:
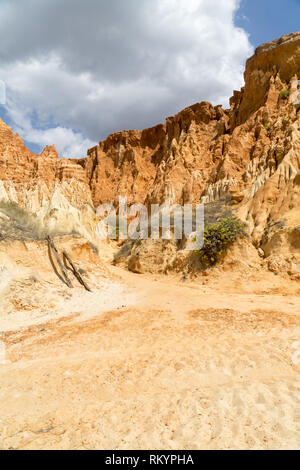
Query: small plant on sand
[(284, 94), (218, 237)]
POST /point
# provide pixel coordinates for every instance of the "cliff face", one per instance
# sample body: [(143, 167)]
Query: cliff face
[(250, 152), (204, 151), (173, 162), (55, 189)]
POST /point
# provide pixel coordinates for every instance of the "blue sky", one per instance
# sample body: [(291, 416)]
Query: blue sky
[(266, 20), (99, 67)]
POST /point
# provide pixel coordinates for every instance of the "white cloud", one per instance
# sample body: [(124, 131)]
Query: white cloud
[(68, 143), (94, 67)]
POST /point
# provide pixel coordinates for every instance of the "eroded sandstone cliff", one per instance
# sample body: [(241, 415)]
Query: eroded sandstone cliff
[(250, 152), (55, 189)]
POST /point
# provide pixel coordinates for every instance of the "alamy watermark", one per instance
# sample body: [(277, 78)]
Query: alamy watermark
[(165, 222), (2, 93)]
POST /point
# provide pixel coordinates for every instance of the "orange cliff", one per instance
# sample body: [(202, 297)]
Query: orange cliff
[(204, 151), (22, 171), (20, 165), (249, 152), (55, 189)]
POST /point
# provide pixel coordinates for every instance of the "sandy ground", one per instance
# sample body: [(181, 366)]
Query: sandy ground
[(149, 362)]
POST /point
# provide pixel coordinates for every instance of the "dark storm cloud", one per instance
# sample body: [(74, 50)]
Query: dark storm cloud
[(98, 66)]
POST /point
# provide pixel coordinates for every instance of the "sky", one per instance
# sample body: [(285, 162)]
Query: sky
[(266, 20), (75, 71)]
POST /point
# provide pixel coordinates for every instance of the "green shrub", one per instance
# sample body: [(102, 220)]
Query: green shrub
[(284, 94), (268, 126), (218, 237)]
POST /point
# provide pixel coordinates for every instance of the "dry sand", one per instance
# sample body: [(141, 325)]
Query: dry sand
[(149, 362)]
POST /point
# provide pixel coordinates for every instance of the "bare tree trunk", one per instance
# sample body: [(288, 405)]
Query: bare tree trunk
[(59, 262), (75, 271)]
